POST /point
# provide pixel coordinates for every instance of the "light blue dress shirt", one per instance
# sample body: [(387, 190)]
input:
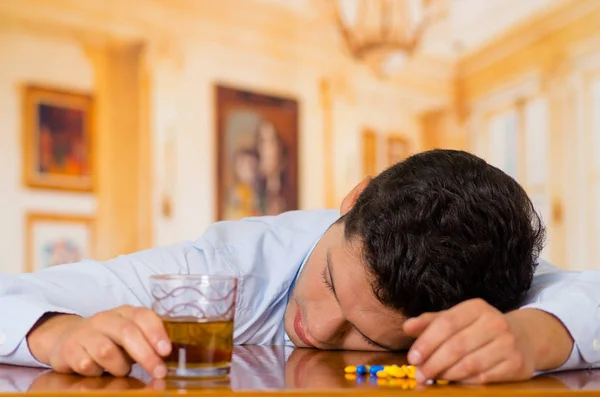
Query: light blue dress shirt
[(266, 254)]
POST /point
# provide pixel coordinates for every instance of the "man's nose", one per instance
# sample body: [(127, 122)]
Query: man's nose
[(327, 328)]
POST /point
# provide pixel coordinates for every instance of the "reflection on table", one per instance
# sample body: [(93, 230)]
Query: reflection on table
[(268, 368)]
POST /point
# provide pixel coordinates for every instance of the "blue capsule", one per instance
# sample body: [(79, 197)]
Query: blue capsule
[(361, 370), (375, 368)]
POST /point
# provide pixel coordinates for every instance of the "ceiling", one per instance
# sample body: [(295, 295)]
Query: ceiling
[(470, 24), (301, 30), (464, 26)]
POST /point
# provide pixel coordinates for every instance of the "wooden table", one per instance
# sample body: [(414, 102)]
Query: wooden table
[(305, 372)]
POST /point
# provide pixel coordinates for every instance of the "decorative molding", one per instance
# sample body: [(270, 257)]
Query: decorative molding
[(525, 86), (316, 47), (525, 35)]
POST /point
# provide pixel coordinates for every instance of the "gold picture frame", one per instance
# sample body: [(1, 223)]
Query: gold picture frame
[(54, 239), (257, 153), (57, 139)]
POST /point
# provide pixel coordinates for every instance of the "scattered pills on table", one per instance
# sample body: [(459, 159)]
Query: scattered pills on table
[(387, 375)]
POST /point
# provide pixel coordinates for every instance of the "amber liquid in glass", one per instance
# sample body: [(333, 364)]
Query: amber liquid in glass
[(199, 344)]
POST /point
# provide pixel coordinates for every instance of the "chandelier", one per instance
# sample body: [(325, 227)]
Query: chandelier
[(383, 33)]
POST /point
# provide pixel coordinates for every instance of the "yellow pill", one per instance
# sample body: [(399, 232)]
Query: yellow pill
[(442, 382), (412, 384), (382, 374), (368, 367), (350, 376), (397, 372), (351, 369)]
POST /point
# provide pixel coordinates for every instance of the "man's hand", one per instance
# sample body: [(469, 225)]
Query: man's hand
[(475, 343), (108, 341)]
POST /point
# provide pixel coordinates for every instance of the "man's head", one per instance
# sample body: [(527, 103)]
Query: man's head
[(434, 230)]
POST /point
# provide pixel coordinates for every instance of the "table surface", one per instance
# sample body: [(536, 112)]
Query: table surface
[(277, 369)]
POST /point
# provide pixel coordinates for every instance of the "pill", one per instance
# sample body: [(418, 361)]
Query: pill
[(382, 374), (361, 370), (375, 368), (350, 369), (396, 372)]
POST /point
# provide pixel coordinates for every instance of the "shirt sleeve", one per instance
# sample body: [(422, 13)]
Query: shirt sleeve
[(574, 299), (88, 287)]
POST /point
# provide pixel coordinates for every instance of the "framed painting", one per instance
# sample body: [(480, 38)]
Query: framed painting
[(54, 239), (257, 154), (57, 139), (398, 149)]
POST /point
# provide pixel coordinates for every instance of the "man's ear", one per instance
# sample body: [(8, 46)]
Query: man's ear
[(350, 199)]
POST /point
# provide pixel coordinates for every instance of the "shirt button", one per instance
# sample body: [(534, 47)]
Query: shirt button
[(2, 338), (597, 345)]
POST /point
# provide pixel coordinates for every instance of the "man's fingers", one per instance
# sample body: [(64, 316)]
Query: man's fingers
[(79, 361), (477, 362), (501, 372), (459, 346), (151, 326), (107, 355), (484, 365), (128, 335), (416, 325), (443, 327)]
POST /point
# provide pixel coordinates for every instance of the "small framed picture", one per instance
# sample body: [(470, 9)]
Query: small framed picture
[(56, 239), (57, 139), (257, 153)]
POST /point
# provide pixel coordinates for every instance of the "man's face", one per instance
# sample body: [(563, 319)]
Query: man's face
[(333, 306)]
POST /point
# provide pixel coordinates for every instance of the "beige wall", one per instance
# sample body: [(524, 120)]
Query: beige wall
[(174, 134), (28, 58), (550, 60)]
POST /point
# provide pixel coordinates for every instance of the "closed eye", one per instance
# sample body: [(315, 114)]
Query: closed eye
[(330, 288), (325, 280), (370, 342)]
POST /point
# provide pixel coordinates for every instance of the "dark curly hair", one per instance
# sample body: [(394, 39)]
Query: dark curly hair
[(442, 227)]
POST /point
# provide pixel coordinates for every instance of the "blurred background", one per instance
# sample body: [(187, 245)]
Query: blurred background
[(128, 124)]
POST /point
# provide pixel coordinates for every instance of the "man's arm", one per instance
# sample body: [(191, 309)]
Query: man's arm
[(83, 289), (556, 329), (573, 298)]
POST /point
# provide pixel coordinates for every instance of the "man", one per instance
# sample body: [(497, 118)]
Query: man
[(435, 248)]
